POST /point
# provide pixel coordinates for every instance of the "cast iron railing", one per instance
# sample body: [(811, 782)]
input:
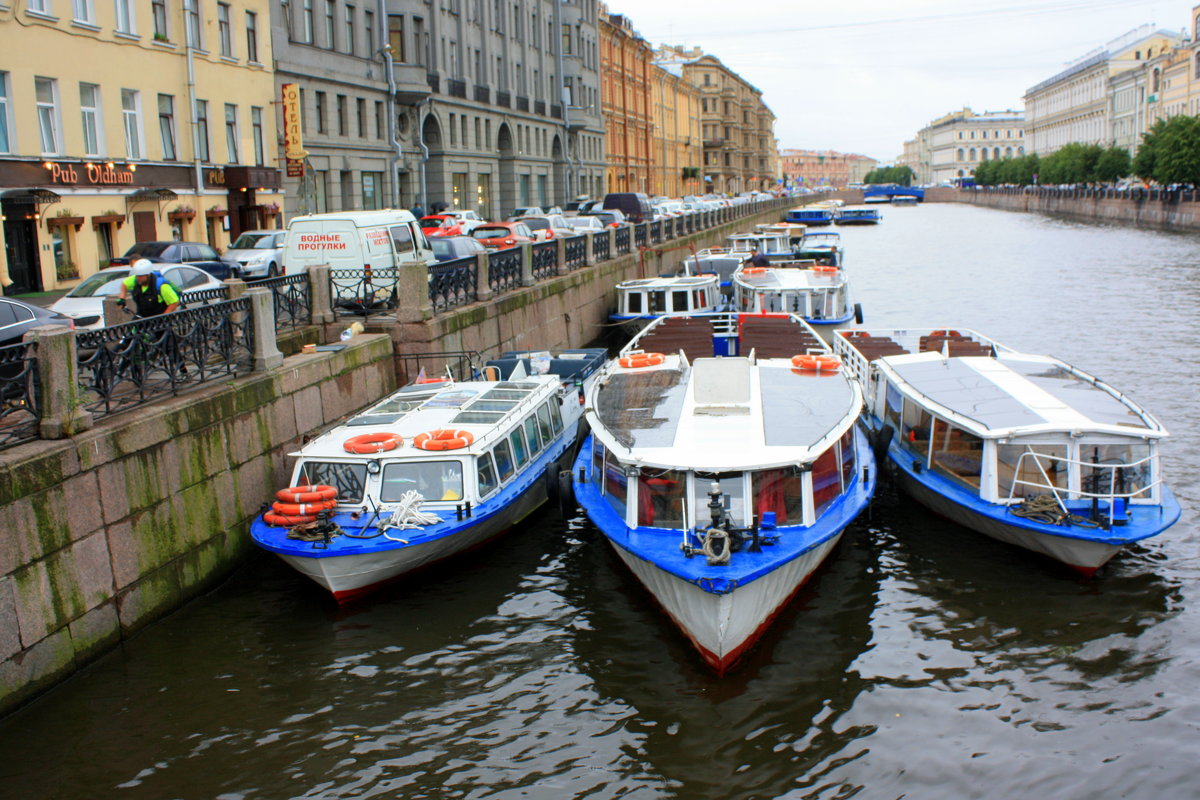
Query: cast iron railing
[(128, 365), (622, 240), (539, 107), (462, 364), (199, 297), (545, 260), (292, 299), (641, 236), (575, 251), (364, 290), (656, 231), (522, 103), (452, 283), (482, 94), (504, 269), (600, 246), (19, 407), (503, 99)]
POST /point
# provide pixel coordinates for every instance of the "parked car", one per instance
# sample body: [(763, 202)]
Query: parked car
[(197, 254), (586, 224), (613, 218), (441, 225), (548, 226), (85, 303), (634, 205), (258, 254), (524, 211), (448, 248), (18, 317), (467, 220), (499, 235)]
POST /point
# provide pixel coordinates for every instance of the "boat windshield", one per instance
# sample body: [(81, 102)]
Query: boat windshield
[(347, 477), (433, 480)]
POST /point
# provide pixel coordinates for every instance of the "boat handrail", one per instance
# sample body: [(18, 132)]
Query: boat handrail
[(852, 360), (1058, 492)]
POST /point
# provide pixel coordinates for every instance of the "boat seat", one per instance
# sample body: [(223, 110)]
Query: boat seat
[(693, 336)]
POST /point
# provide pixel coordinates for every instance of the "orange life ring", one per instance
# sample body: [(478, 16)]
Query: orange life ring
[(639, 360), (443, 439), (754, 270), (817, 363), (441, 379), (303, 509), (856, 335), (306, 494), (285, 521), (825, 270), (943, 332), (367, 443)]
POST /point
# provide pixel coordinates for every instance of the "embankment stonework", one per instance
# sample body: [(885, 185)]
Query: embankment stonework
[(105, 532), (1169, 213)]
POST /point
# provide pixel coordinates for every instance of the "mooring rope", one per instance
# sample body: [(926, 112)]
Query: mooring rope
[(1044, 508)]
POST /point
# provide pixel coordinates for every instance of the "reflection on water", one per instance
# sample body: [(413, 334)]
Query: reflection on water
[(923, 660)]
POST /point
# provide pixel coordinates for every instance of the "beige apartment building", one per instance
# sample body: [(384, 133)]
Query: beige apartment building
[(676, 152), (104, 139), (953, 145)]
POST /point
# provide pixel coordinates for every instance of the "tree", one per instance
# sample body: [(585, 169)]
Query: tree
[(1176, 157), (902, 176), (1114, 163)]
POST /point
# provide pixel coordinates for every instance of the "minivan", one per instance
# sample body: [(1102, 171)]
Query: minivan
[(635, 205)]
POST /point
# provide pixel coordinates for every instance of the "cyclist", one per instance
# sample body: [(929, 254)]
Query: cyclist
[(152, 295)]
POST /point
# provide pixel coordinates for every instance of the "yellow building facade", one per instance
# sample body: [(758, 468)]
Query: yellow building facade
[(125, 121), (676, 153)]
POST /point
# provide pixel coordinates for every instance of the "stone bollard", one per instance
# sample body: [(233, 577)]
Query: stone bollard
[(262, 313), (589, 250), (412, 293), (61, 399), (526, 264), (321, 304), (483, 277), (235, 288), (114, 313), (612, 242), (560, 255)]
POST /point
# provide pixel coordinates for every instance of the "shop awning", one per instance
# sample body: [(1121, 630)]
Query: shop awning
[(151, 194), (31, 196)]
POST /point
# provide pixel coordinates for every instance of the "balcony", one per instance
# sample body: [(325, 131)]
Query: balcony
[(504, 99), (539, 107), (482, 94), (435, 83), (456, 88), (556, 111), (522, 103), (412, 84), (714, 143)]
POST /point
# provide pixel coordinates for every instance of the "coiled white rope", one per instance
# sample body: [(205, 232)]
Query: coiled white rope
[(407, 515), (716, 538)]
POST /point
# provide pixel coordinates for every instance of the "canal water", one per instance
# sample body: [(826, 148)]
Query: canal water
[(923, 661)]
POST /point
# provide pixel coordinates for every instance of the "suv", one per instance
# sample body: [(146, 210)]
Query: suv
[(197, 254), (635, 205), (258, 254)]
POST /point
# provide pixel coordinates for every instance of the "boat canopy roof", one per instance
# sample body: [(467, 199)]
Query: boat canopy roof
[(667, 282), (722, 414), (822, 238), (1016, 394), (790, 276)]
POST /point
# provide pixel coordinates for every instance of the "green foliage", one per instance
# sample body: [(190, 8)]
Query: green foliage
[(1113, 165), (901, 176), (1074, 163), (1170, 152)]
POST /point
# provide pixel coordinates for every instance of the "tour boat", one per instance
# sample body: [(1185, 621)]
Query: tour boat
[(817, 292), (772, 244), (644, 299), (793, 231), (812, 216), (723, 464), (824, 247), (436, 468), (1023, 448), (857, 215), (903, 200)]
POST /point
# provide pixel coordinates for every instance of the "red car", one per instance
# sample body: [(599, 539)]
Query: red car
[(499, 235), (440, 225)]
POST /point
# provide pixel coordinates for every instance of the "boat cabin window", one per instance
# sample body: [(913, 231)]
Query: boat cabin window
[(914, 429), (433, 480), (733, 496), (679, 300), (532, 436), (347, 478), (555, 416), (826, 481), (616, 485), (956, 454), (520, 453), (485, 471), (1124, 469), (660, 498), (780, 491), (504, 460), (633, 302), (658, 302), (846, 446), (544, 425), (892, 405), (1027, 469), (597, 461)]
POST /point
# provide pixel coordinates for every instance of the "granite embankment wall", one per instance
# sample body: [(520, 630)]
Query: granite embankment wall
[(1178, 210), (105, 532)]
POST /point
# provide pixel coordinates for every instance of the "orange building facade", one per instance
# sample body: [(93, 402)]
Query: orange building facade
[(625, 88), (815, 168)]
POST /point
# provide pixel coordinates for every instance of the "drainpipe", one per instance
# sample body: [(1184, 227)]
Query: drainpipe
[(191, 84), (424, 199), (386, 50)]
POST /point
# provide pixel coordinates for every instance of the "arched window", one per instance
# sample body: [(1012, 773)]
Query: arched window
[(972, 158), (983, 154), (1198, 61), (960, 154), (995, 152), (1020, 151), (1008, 152)]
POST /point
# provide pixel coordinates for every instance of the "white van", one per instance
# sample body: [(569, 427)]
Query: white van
[(354, 239)]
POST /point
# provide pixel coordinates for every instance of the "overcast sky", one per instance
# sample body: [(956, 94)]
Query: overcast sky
[(865, 75)]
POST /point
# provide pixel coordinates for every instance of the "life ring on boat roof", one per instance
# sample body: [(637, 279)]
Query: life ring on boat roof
[(944, 332), (443, 439), (306, 494), (303, 509), (368, 443), (754, 270), (825, 270), (286, 521), (816, 363), (639, 360)]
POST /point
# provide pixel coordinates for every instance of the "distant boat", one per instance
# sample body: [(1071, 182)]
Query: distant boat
[(818, 293), (904, 200), (812, 216), (858, 215), (1023, 448), (723, 466), (644, 299)]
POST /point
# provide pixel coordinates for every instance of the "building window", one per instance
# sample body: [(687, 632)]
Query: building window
[(89, 111), (348, 29), (39, 6), (256, 130), (330, 33), (378, 119), (369, 31), (131, 119), (202, 130), (321, 112), (396, 38), (306, 23), (191, 23), (224, 33), (252, 37), (48, 118), (341, 114), (84, 12), (166, 126), (360, 113), (6, 123), (125, 17), (231, 133), (158, 10), (371, 184)]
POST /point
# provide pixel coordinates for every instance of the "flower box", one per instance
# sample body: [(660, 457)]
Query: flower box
[(107, 219), (64, 222)]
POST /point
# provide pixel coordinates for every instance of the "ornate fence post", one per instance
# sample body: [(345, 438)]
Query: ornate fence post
[(412, 290), (262, 312), (526, 264), (560, 255), (483, 285), (318, 293), (612, 242), (589, 251), (62, 412), (236, 287)]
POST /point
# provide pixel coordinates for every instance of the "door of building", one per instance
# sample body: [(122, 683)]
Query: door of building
[(21, 248), (144, 229)]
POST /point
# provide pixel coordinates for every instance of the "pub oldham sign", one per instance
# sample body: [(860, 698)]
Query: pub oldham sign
[(95, 174)]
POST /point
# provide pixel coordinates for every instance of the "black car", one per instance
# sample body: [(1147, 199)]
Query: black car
[(17, 317), (610, 217), (448, 248), (197, 254)]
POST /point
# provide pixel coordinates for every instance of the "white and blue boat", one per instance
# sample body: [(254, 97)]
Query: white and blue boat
[(434, 469), (1023, 448), (818, 293), (858, 215), (823, 247), (642, 300), (723, 466), (813, 215)]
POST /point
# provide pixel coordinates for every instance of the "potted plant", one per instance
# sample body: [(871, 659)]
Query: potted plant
[(67, 271), (182, 212)]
